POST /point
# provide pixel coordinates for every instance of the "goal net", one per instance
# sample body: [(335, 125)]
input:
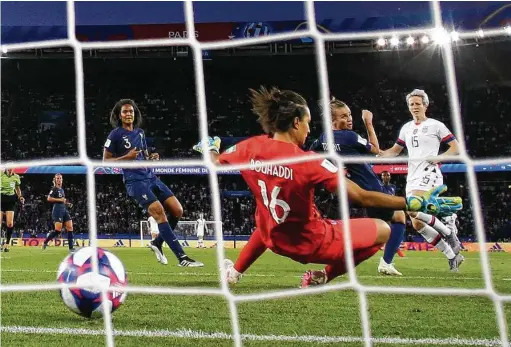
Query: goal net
[(185, 230), (436, 31)]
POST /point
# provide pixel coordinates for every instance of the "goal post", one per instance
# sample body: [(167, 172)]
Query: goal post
[(185, 230)]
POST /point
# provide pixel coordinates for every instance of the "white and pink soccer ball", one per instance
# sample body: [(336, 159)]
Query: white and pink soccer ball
[(76, 269)]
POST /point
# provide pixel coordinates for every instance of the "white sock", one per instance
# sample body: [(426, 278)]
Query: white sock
[(445, 249), (434, 222), (433, 237)]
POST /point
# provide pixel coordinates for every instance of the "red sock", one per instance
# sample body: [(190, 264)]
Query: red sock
[(250, 253), (359, 255)]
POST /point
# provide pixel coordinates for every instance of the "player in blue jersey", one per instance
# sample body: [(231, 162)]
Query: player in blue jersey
[(349, 143), (127, 142), (59, 213)]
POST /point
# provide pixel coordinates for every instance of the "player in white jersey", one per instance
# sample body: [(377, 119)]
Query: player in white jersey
[(153, 227), (200, 228), (422, 137), (451, 222)]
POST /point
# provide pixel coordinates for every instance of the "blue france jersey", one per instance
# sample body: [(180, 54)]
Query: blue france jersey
[(389, 189), (349, 143), (120, 141), (58, 193)]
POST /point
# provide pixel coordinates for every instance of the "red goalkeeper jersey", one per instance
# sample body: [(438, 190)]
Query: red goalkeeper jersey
[(285, 209)]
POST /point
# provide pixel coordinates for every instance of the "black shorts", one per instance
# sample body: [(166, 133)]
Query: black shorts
[(380, 213), (8, 202)]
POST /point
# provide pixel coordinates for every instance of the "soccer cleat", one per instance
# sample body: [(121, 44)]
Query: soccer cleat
[(233, 276), (186, 261), (400, 253), (455, 262), (388, 269), (163, 259), (6, 250), (313, 278), (157, 251), (44, 246), (454, 242)]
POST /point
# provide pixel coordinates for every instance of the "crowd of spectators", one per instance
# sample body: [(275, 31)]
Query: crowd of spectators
[(39, 109)]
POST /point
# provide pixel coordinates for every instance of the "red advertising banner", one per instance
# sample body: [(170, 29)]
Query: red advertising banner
[(203, 32)]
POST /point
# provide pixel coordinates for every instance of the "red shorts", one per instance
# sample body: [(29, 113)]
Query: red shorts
[(328, 247)]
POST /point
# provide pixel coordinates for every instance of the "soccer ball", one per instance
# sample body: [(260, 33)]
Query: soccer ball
[(77, 269)]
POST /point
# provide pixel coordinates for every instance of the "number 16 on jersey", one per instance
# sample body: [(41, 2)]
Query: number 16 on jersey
[(274, 202)]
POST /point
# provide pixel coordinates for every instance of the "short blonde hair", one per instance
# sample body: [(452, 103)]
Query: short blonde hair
[(421, 93)]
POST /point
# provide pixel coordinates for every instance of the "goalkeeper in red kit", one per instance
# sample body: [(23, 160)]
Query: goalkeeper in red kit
[(287, 220)]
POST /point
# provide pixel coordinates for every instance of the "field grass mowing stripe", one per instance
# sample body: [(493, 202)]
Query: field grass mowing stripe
[(206, 274), (191, 334)]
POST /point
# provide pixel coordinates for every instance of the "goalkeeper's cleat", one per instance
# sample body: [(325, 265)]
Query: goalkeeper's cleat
[(313, 278), (157, 250), (232, 275), (388, 269), (186, 261), (455, 262), (454, 242)]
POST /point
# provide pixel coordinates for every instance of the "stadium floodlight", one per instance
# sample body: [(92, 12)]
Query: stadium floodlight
[(410, 40), (455, 36), (394, 41), (4, 50), (440, 36), (480, 33), (508, 29), (380, 42), (425, 39)]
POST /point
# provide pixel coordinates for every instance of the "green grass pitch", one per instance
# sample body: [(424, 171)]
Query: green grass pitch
[(39, 318)]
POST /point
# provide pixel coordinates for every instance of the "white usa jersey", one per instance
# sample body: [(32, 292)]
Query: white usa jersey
[(450, 222), (201, 223), (423, 140), (153, 226)]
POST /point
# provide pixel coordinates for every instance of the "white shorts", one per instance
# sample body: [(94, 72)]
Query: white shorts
[(155, 232), (424, 182)]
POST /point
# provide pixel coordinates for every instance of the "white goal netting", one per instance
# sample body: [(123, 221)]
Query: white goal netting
[(319, 38)]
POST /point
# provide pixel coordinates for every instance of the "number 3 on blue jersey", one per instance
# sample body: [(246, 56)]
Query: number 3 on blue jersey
[(127, 144)]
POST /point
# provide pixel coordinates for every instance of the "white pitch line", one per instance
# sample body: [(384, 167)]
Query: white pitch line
[(212, 274), (193, 334)]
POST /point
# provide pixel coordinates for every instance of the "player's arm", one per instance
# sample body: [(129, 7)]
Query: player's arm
[(396, 150), (445, 136), (365, 198), (367, 117), (17, 189), (326, 173), (53, 199)]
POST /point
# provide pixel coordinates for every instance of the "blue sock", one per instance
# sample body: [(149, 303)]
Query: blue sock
[(170, 238), (397, 231), (70, 239)]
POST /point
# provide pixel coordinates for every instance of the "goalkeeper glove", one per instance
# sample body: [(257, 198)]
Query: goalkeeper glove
[(213, 145), (431, 203)]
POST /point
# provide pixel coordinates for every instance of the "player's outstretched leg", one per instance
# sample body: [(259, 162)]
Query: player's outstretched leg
[(397, 231), (435, 239), (166, 232), (435, 223), (367, 237), (248, 255)]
